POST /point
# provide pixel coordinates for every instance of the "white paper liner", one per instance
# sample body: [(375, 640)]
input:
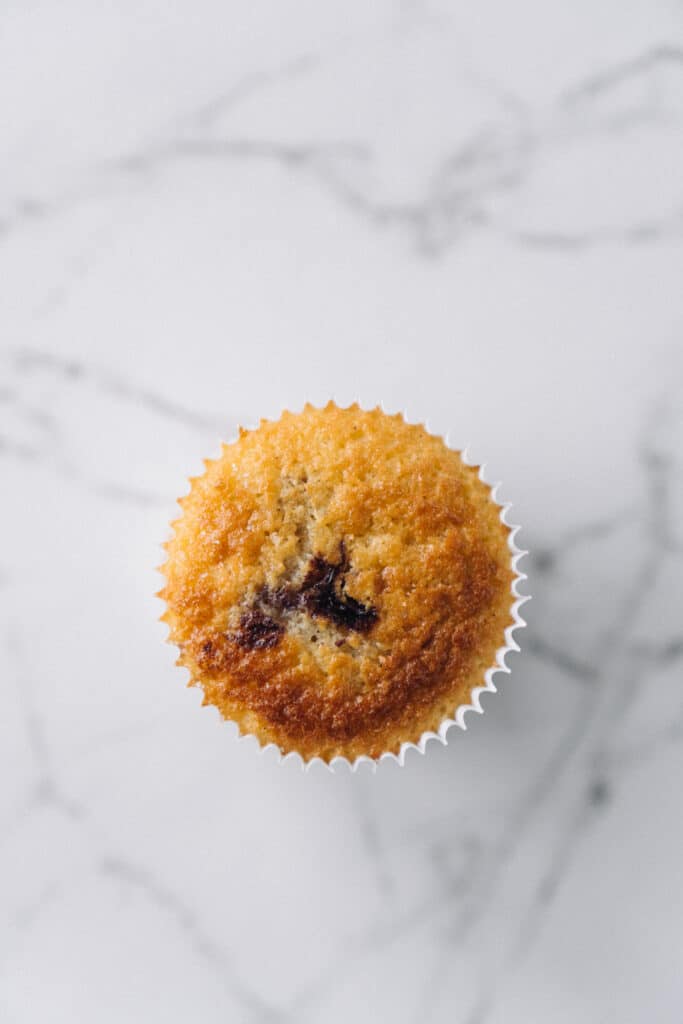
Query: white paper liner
[(341, 763)]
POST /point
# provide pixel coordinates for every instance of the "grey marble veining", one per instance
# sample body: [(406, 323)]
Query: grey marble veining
[(211, 212)]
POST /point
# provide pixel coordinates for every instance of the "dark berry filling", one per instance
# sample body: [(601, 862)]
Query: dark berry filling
[(257, 630), (321, 594)]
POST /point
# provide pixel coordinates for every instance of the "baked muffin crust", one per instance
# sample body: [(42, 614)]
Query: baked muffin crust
[(338, 582)]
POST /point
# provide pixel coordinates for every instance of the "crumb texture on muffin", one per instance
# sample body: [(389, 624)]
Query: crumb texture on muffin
[(338, 582)]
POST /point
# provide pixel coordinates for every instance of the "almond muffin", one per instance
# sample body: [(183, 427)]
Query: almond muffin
[(338, 582)]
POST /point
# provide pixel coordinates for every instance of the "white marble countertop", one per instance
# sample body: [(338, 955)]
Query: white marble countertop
[(211, 211)]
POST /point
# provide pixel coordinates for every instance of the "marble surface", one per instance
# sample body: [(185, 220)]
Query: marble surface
[(210, 211)]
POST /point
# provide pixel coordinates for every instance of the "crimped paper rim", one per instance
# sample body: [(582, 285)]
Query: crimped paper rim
[(340, 763)]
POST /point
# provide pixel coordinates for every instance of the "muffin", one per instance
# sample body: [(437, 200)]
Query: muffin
[(338, 582)]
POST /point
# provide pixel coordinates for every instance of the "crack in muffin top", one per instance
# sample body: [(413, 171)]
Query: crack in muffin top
[(338, 581)]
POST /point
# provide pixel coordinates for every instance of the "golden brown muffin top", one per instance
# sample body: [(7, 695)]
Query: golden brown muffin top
[(338, 582)]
